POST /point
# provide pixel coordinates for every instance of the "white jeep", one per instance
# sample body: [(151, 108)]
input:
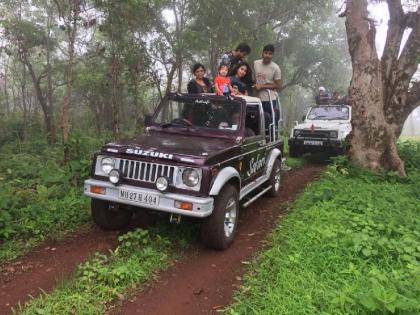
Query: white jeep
[(324, 128)]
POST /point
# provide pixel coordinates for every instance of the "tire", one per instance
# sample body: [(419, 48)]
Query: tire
[(218, 230), (294, 152), (110, 216), (274, 180)]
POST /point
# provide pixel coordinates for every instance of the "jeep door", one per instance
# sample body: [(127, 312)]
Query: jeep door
[(254, 145)]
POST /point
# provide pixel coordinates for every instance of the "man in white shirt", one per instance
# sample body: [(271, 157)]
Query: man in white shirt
[(267, 77)]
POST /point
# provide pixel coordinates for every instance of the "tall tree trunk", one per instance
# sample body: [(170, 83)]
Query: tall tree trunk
[(170, 79), (72, 16), (51, 132), (24, 105), (115, 75), (48, 119), (379, 90)]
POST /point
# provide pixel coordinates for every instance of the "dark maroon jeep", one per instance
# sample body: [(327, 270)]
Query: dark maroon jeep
[(201, 156)]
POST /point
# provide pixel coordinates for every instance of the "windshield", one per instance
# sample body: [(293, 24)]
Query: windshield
[(329, 113), (199, 113)]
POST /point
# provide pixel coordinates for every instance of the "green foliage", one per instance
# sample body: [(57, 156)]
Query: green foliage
[(106, 277), (350, 246), (39, 196)]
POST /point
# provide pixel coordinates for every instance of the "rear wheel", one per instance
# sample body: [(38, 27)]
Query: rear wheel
[(110, 216), (274, 180), (218, 230)]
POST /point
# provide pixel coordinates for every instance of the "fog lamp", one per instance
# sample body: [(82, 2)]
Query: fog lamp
[(162, 183), (114, 176)]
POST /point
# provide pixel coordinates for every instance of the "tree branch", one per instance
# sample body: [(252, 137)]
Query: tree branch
[(394, 37), (413, 97)]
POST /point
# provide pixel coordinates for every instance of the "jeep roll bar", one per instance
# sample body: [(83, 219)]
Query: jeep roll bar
[(272, 126)]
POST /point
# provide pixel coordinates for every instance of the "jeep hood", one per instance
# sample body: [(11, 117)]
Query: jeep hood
[(167, 146)]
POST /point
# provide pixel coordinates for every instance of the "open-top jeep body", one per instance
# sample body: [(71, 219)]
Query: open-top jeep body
[(325, 128), (201, 156)]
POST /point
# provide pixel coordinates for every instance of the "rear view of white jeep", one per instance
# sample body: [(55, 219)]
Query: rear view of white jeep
[(324, 128)]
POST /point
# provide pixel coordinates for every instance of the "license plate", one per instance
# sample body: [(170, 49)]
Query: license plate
[(312, 142), (148, 199)]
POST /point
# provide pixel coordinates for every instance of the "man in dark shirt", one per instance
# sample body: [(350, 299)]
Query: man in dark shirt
[(231, 58)]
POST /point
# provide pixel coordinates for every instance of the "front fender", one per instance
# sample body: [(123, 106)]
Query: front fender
[(273, 156), (222, 178)]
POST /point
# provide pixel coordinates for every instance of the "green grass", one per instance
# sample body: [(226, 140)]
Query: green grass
[(351, 245), (105, 278)]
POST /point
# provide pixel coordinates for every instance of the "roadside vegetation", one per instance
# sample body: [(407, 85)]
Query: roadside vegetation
[(113, 276), (105, 277), (350, 245), (40, 196)]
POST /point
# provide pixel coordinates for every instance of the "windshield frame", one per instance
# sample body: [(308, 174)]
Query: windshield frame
[(326, 106), (198, 130)]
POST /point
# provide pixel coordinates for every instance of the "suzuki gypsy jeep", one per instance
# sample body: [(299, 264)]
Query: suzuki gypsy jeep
[(325, 128), (201, 156)]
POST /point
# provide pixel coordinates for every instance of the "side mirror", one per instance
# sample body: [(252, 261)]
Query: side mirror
[(296, 123), (147, 120), (303, 118)]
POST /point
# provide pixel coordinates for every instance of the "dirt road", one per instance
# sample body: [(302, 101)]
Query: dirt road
[(202, 281)]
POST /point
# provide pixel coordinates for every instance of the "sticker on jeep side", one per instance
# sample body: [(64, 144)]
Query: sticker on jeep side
[(255, 165), (153, 154)]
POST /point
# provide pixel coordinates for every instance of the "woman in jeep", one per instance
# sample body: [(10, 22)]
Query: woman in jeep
[(199, 84)]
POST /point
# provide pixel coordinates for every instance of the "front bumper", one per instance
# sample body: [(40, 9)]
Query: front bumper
[(202, 207), (316, 144)]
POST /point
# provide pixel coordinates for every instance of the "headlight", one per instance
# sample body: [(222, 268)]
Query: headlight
[(297, 132), (190, 177), (162, 183), (107, 164), (333, 134)]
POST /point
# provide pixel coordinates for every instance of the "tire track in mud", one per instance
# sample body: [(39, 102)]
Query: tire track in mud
[(203, 280), (48, 265)]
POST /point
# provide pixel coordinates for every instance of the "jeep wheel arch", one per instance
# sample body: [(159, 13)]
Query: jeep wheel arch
[(274, 155), (226, 175)]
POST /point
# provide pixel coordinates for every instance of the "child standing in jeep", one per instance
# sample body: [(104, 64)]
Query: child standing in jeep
[(222, 82)]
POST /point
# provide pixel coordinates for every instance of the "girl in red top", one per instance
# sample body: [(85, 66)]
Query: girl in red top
[(222, 82)]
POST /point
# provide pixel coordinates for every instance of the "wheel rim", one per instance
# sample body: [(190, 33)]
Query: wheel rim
[(230, 217), (277, 177)]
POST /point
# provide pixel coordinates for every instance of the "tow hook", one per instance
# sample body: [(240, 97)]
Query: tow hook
[(175, 219)]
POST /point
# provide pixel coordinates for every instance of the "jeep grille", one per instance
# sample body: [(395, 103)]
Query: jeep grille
[(314, 134), (144, 171)]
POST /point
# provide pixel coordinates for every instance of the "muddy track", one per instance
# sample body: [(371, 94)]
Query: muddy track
[(47, 265), (203, 280)]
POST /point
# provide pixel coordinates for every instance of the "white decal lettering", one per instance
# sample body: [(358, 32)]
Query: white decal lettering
[(255, 165), (150, 153)]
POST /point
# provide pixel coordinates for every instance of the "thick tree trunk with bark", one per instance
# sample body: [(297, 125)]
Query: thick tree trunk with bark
[(380, 89)]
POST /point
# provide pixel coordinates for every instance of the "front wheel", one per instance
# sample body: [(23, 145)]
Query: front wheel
[(218, 230), (110, 216), (274, 180)]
